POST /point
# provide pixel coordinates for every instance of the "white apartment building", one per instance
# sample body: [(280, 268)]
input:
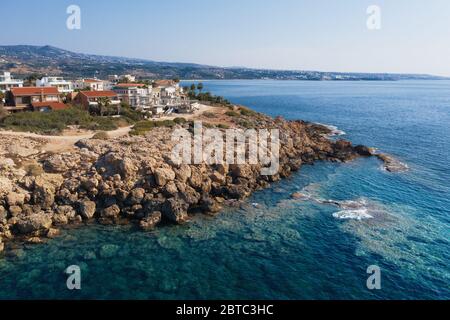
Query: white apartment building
[(137, 95), (170, 96), (91, 84), (7, 82), (62, 85)]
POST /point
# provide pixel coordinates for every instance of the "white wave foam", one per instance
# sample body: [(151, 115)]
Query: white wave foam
[(335, 131), (358, 214)]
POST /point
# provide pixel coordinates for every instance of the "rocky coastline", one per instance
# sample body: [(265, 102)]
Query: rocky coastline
[(133, 180)]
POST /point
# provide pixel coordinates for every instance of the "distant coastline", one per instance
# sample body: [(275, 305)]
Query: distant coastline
[(23, 60)]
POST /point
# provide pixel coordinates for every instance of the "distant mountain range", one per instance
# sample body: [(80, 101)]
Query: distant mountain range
[(23, 60)]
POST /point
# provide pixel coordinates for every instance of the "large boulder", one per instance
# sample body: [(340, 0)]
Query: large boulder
[(111, 212), (171, 188), (56, 164), (86, 209), (164, 175), (33, 223), (45, 187), (241, 171), (183, 173), (136, 196), (5, 186), (196, 178), (175, 210), (115, 163), (218, 177), (3, 214), (15, 211), (149, 222), (209, 205), (364, 151), (15, 199)]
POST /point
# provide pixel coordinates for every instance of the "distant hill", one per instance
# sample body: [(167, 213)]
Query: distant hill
[(23, 60)]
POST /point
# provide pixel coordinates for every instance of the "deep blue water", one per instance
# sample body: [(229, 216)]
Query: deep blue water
[(275, 247)]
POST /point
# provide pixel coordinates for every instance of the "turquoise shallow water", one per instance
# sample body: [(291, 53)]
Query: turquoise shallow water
[(274, 247)]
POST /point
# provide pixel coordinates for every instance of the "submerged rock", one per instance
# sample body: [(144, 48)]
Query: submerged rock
[(391, 164), (108, 251), (298, 195)]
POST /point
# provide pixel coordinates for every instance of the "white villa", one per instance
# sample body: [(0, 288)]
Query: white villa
[(7, 82), (137, 95), (91, 84), (62, 85)]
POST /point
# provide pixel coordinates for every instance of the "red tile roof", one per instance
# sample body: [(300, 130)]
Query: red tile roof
[(92, 80), (50, 104), (128, 85), (34, 91), (164, 83), (98, 94)]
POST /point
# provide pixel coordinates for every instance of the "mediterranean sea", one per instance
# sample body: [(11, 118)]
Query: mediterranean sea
[(355, 215)]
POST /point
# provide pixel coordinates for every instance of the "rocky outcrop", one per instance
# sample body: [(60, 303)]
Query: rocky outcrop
[(175, 210), (86, 209), (391, 164), (151, 221), (33, 224), (133, 179)]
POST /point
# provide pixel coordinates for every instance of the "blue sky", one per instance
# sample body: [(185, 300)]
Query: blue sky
[(326, 35)]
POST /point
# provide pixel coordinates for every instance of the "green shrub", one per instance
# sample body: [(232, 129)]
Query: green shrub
[(231, 113), (102, 135), (247, 112), (180, 120), (144, 126), (208, 114), (208, 125), (246, 124), (132, 115), (223, 126), (56, 121)]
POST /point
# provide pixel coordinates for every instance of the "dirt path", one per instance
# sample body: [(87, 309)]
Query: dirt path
[(64, 142)]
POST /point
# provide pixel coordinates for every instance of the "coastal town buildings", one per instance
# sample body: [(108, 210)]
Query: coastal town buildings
[(136, 95), (31, 98), (89, 84), (88, 99), (7, 82), (55, 93), (62, 85)]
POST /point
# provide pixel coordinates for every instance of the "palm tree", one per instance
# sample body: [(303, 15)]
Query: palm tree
[(200, 87), (103, 104)]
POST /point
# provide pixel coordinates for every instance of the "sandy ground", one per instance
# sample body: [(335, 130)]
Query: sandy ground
[(66, 141)]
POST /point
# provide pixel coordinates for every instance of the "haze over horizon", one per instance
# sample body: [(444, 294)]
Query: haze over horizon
[(281, 35)]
